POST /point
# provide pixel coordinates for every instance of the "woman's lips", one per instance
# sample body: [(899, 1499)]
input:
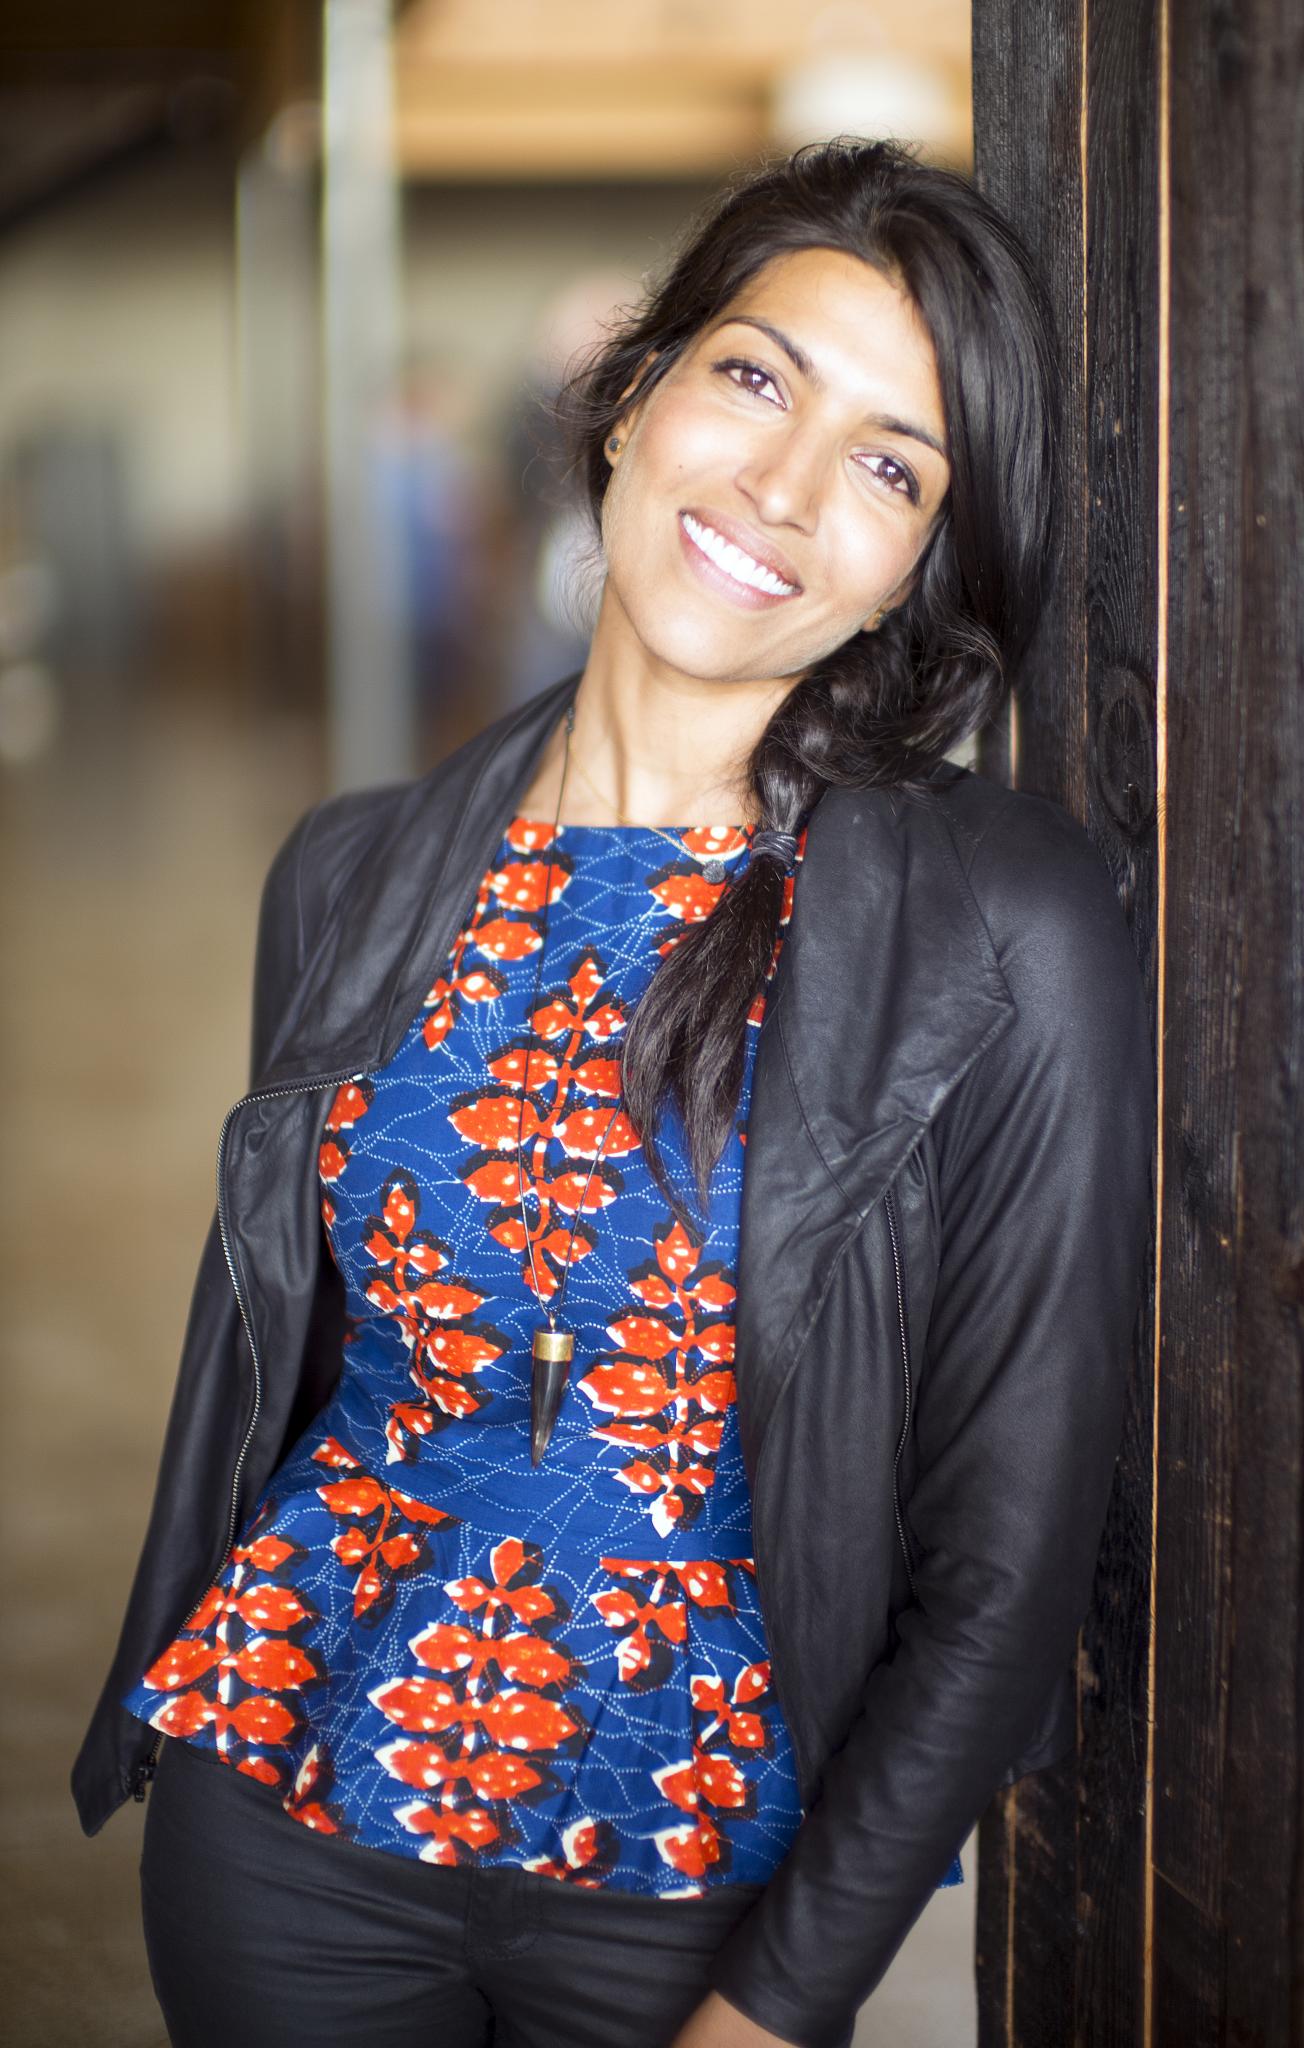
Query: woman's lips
[(749, 596)]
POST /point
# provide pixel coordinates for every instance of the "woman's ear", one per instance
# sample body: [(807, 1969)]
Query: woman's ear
[(624, 426), (889, 605)]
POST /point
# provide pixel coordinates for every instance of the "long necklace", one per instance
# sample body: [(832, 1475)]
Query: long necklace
[(552, 1349), (766, 841), (713, 870)]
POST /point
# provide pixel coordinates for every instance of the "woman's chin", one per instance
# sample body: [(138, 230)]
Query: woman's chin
[(705, 650)]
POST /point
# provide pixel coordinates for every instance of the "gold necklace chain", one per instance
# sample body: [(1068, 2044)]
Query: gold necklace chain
[(712, 868), (552, 1349)]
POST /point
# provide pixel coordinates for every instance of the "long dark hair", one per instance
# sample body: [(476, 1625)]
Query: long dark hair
[(887, 706)]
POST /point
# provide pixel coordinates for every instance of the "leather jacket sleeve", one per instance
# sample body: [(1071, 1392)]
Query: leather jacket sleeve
[(204, 1424), (1044, 1164)]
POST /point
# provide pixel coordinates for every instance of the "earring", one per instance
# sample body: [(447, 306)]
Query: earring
[(614, 443), (874, 623)]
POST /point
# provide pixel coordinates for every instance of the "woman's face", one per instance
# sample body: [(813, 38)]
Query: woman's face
[(778, 486)]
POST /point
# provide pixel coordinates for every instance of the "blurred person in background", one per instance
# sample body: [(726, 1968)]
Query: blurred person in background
[(592, 1588), (551, 564), (428, 483)]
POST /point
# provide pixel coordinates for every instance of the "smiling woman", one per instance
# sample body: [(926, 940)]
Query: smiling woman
[(822, 459), (780, 1080), (785, 471)]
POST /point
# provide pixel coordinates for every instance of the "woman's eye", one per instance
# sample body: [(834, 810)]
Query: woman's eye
[(740, 363), (900, 479), (907, 480)]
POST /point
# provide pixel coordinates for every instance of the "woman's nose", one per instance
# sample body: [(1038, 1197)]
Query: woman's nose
[(783, 480)]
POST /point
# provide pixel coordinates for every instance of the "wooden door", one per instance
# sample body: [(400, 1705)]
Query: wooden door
[(1151, 1891)]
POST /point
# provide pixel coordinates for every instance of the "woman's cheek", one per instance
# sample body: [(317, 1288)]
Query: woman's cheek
[(684, 438)]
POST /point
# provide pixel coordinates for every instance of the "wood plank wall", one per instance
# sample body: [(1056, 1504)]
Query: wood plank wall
[(1151, 1890)]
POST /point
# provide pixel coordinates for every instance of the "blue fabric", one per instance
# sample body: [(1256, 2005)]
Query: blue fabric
[(420, 1640)]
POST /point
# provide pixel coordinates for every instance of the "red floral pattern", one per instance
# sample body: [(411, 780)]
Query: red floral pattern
[(484, 1663)]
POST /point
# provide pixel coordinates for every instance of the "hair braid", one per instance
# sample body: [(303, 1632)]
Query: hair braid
[(884, 709)]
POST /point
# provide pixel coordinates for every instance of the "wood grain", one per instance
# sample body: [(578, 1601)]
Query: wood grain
[(1164, 706)]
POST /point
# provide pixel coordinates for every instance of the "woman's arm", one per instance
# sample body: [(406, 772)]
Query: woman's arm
[(717, 2024), (1044, 1157)]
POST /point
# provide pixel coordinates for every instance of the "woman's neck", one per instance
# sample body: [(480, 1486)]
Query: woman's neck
[(653, 746)]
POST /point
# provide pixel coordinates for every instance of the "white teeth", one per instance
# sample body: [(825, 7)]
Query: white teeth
[(733, 561)]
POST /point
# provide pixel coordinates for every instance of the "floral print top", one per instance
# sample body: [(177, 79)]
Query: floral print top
[(420, 1640)]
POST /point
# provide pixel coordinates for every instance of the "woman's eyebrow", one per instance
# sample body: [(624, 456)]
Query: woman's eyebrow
[(798, 356)]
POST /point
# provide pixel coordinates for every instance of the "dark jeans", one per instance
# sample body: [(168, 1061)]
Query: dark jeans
[(263, 1933)]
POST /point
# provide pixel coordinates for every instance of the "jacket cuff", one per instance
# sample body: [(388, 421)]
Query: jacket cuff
[(761, 1997), (893, 1806)]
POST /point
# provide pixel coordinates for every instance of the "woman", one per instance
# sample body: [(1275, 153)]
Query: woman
[(643, 1575)]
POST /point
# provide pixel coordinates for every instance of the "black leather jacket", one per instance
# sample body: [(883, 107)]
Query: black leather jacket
[(945, 1226)]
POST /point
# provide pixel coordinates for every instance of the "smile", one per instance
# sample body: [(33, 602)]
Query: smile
[(733, 563)]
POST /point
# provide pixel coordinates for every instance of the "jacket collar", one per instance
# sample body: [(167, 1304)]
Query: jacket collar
[(887, 990)]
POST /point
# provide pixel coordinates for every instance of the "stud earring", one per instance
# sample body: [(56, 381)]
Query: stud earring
[(614, 443)]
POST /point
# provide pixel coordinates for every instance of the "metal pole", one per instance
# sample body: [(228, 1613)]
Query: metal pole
[(373, 725)]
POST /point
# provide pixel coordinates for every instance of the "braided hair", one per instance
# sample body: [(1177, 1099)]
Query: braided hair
[(885, 708)]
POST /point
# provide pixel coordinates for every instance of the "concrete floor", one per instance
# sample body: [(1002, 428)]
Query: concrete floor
[(132, 857)]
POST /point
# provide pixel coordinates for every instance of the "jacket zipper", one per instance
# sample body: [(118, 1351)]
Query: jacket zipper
[(258, 1095), (145, 1769), (889, 1212)]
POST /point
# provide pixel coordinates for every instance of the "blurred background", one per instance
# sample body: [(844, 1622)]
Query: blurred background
[(285, 287)]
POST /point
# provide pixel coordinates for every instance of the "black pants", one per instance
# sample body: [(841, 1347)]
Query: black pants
[(263, 1933)]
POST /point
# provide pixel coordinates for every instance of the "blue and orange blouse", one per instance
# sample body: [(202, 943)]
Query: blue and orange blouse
[(420, 1640)]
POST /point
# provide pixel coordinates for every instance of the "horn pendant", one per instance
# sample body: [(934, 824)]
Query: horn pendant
[(552, 1353)]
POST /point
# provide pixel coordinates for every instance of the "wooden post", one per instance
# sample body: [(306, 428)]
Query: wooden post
[(1151, 1890)]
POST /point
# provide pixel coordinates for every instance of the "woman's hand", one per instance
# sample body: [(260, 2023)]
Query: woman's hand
[(717, 2024)]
